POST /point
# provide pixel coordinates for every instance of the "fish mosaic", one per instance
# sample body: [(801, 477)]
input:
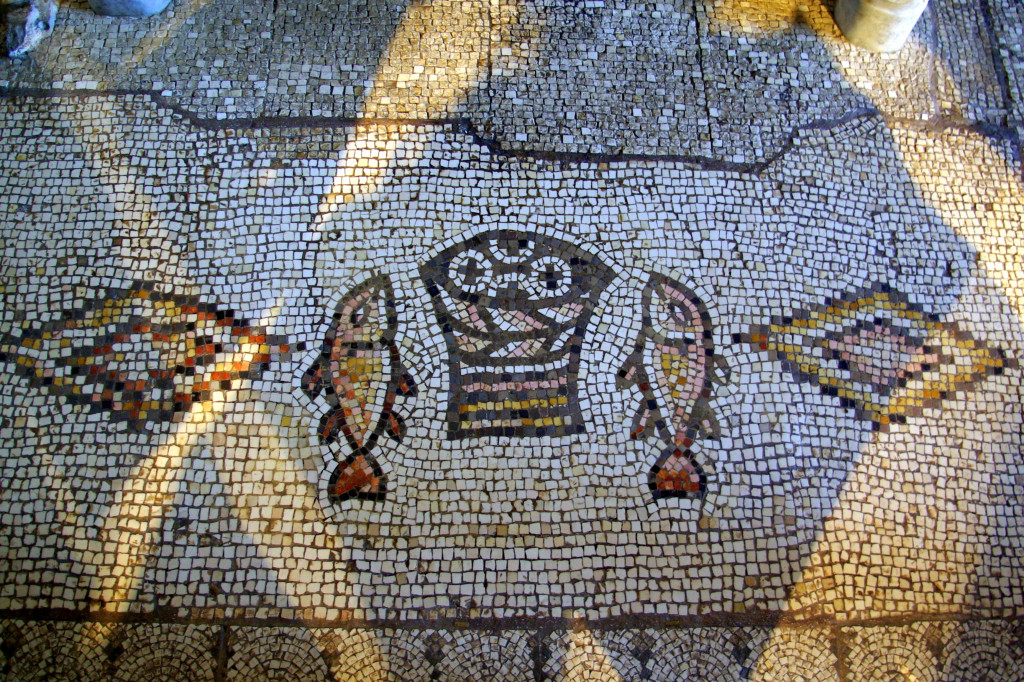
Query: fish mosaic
[(674, 365), (359, 372)]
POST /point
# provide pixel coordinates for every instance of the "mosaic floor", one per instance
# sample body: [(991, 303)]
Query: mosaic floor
[(511, 340)]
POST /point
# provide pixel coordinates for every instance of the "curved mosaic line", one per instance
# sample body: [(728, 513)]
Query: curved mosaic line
[(159, 653), (353, 655), (985, 652), (879, 354), (631, 651), (27, 651), (405, 654), (645, 654), (674, 365), (801, 655), (88, 642), (501, 657), (514, 308), (693, 654), (891, 653), (370, 655), (361, 375), (284, 654), (580, 656)]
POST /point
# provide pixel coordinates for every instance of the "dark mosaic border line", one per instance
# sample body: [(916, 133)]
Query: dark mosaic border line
[(787, 619), (465, 126), (998, 65), (172, 616), (227, 646)]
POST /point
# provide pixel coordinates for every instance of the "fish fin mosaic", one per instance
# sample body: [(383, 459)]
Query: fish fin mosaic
[(142, 356), (360, 373), (674, 365), (880, 355), (514, 309)]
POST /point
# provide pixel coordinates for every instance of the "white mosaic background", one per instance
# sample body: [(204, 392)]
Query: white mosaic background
[(807, 511)]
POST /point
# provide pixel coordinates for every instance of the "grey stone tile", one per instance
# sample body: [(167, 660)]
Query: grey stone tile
[(325, 58), (596, 77), (969, 73), (1008, 23)]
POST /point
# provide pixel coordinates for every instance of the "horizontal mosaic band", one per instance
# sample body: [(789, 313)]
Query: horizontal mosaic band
[(143, 652)]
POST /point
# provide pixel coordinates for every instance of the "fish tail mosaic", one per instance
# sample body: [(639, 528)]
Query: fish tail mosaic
[(514, 309), (879, 354), (360, 374), (674, 365), (567, 341), (141, 356)]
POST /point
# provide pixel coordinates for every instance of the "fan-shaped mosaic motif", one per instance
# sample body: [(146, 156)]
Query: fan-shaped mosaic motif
[(697, 654), (504, 656), (633, 654), (354, 655), (275, 655), (31, 652), (144, 652), (895, 653), (797, 654), (578, 655), (378, 655), (985, 651)]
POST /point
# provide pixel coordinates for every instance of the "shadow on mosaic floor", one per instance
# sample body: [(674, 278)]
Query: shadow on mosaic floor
[(869, 355)]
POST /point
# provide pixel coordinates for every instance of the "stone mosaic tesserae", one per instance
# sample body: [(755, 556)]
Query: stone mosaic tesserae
[(512, 340)]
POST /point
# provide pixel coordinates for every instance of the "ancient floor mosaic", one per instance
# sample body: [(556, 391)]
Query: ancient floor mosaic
[(317, 372)]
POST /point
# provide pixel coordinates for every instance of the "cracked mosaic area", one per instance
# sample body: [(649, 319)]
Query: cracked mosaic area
[(575, 386), (511, 340)]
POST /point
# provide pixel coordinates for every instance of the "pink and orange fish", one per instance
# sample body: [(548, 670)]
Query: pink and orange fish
[(360, 373), (674, 365)]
